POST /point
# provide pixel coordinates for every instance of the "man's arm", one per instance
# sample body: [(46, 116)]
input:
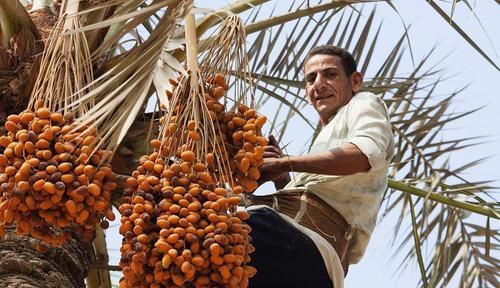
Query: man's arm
[(345, 160)]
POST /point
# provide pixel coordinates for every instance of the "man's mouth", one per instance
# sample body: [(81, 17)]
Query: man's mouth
[(322, 97)]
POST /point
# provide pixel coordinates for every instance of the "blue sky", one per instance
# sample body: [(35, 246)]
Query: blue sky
[(466, 66)]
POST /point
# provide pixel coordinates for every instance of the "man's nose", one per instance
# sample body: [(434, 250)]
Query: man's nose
[(319, 82)]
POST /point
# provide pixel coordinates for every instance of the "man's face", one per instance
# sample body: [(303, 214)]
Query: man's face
[(328, 87)]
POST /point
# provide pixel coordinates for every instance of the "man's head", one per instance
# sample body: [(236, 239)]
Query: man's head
[(331, 79)]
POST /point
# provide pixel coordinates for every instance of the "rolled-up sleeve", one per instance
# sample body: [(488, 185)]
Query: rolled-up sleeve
[(370, 129)]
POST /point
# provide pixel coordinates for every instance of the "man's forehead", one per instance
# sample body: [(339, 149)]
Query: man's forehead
[(322, 62)]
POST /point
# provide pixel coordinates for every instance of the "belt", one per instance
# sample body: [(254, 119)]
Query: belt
[(314, 213)]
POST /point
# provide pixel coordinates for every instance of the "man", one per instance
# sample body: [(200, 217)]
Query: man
[(322, 221)]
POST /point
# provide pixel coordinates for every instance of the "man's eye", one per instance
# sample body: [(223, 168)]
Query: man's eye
[(331, 74), (310, 79)]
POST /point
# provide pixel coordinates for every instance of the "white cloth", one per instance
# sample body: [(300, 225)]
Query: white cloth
[(363, 122)]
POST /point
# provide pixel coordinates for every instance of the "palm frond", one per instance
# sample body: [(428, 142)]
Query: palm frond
[(456, 27), (484, 208), (112, 114), (114, 28), (300, 13), (216, 17), (416, 237)]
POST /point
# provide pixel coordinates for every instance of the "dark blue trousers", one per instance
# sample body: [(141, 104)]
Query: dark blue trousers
[(284, 256)]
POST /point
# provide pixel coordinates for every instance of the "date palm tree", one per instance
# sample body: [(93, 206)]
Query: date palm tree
[(135, 46)]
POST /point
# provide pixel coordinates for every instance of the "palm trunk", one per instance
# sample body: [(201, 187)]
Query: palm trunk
[(22, 266)]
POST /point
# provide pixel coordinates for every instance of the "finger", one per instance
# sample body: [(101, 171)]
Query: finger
[(271, 155), (272, 149), (273, 141)]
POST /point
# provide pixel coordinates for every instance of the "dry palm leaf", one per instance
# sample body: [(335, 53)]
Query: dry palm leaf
[(65, 69), (120, 93)]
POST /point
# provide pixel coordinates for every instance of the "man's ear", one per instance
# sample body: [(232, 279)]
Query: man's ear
[(356, 82)]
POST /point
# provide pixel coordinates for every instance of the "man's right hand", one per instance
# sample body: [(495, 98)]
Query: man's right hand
[(269, 170)]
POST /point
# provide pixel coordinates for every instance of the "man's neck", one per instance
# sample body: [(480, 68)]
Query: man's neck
[(325, 122)]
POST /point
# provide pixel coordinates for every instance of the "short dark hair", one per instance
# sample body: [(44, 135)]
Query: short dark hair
[(348, 62)]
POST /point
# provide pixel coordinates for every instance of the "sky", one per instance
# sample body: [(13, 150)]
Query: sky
[(379, 268)]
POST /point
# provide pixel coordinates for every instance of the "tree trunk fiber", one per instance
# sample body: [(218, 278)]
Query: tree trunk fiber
[(22, 266)]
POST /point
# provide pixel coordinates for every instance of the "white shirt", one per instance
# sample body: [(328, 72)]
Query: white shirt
[(363, 122)]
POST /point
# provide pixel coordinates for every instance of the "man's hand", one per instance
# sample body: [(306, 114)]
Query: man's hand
[(274, 168)]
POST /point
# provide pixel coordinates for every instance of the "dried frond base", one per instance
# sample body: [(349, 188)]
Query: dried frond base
[(44, 21)]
